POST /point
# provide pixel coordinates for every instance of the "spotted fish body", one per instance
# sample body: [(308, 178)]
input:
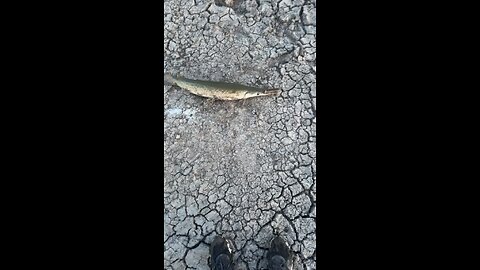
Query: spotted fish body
[(220, 90)]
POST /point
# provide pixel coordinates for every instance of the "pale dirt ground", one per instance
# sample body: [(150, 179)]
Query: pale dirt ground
[(245, 170)]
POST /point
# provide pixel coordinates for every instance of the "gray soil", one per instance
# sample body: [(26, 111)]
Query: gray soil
[(242, 169)]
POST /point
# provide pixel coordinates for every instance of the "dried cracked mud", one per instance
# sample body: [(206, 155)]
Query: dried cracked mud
[(242, 169)]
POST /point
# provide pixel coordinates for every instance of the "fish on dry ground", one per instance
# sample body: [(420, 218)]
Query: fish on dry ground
[(219, 90)]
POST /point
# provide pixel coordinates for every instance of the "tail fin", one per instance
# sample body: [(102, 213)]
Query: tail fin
[(273, 92), (168, 78)]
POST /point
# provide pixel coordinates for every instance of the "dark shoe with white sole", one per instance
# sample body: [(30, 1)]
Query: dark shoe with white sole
[(279, 256), (221, 254)]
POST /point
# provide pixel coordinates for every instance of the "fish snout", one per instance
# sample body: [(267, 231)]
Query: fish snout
[(272, 92)]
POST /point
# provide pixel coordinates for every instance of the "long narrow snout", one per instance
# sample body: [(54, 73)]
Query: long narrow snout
[(272, 92)]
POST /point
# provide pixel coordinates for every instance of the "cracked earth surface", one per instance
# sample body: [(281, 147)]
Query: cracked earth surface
[(242, 169)]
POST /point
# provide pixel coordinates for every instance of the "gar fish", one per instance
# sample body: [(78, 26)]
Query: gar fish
[(220, 90)]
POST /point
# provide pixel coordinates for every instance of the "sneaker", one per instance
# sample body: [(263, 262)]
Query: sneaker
[(221, 255), (278, 256)]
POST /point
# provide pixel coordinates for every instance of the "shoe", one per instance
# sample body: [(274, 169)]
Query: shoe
[(278, 256), (221, 254)]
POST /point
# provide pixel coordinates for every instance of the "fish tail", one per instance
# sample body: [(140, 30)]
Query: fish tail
[(168, 78)]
